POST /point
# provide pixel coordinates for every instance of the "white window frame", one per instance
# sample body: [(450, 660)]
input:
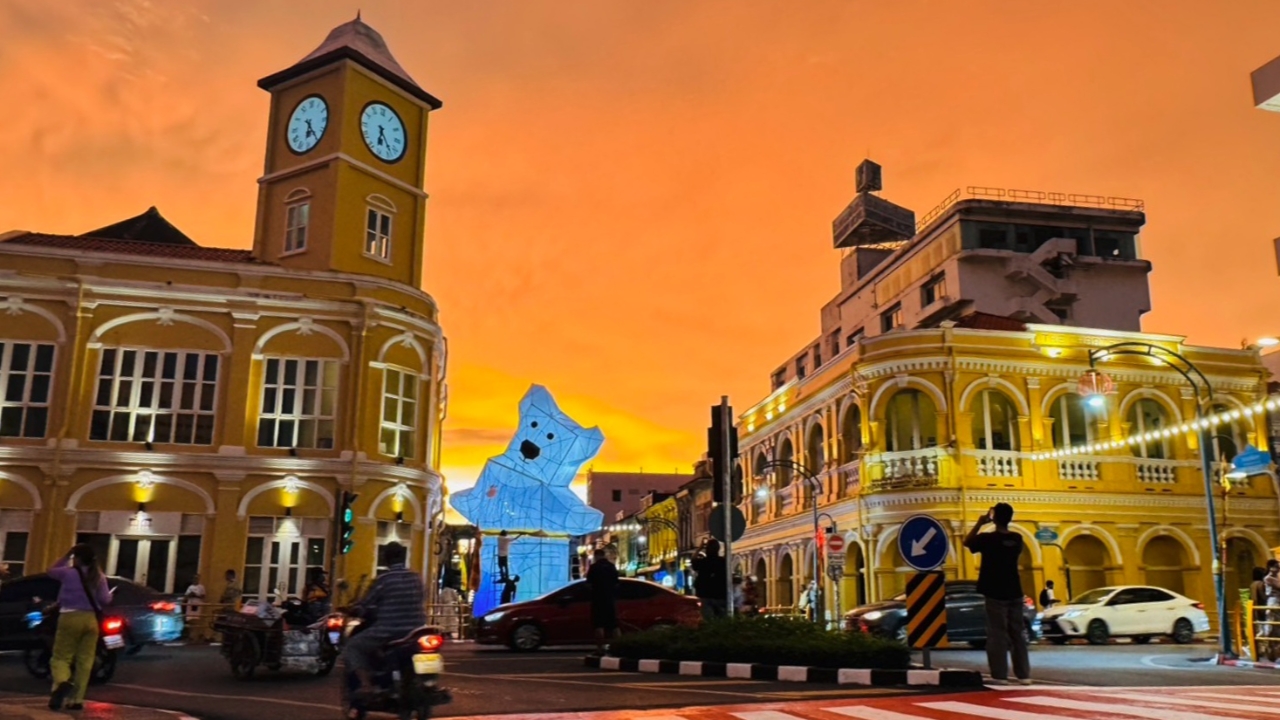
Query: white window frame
[(290, 422), (917, 440), (390, 531), (289, 533), (984, 412), (1062, 430), (297, 224), (25, 404), (143, 414), (377, 233), (399, 412), (142, 563), (892, 318), (1138, 426), (933, 290)]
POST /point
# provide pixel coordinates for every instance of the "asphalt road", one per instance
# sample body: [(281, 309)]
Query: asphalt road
[(195, 680), (1119, 665)]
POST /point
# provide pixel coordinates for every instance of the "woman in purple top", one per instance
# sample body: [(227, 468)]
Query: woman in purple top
[(80, 601)]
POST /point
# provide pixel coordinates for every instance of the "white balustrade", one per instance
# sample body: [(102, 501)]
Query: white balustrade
[(1157, 471), (1077, 468), (999, 463), (912, 468)]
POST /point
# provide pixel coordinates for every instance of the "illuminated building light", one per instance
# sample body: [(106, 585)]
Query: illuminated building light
[(291, 485), (146, 480)]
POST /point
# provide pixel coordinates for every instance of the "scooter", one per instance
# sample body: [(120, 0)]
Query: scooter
[(110, 643), (406, 678)]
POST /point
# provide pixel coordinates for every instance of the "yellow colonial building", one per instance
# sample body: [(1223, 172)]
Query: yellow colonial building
[(190, 409), (954, 355)]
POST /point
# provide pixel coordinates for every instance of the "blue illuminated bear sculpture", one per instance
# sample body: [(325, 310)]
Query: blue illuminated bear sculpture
[(526, 490)]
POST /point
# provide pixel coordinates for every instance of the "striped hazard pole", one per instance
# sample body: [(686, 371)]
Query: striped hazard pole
[(927, 612)]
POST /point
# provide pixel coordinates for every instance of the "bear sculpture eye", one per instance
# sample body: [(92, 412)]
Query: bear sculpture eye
[(533, 424), (551, 436)]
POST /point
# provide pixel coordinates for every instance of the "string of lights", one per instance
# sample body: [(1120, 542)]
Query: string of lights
[(1204, 423)]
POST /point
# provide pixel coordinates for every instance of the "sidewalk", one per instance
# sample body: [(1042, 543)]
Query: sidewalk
[(37, 708)]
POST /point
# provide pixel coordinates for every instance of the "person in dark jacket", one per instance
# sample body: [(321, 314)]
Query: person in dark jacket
[(1000, 583), (602, 578), (81, 598)]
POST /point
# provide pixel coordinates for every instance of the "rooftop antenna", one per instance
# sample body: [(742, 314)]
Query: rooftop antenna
[(357, 15)]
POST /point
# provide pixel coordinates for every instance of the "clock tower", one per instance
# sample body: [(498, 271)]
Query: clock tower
[(346, 155)]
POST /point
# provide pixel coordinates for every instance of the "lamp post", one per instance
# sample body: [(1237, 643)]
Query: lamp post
[(809, 477), (1094, 387)]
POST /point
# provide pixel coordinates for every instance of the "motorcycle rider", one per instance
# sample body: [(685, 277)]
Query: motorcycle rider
[(396, 602)]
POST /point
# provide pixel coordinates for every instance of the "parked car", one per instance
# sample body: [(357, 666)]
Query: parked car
[(966, 616), (1137, 611), (563, 617), (150, 617)]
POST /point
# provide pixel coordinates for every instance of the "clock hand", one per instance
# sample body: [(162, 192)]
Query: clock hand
[(310, 132), (381, 139)]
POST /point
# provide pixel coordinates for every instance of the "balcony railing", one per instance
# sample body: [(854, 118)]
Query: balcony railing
[(787, 500), (849, 478), (999, 463), (907, 469), (1078, 468), (1163, 472)]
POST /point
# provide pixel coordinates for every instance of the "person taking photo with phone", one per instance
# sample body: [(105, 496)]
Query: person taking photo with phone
[(1000, 584)]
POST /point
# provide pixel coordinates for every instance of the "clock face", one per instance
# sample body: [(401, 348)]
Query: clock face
[(307, 124), (383, 132)]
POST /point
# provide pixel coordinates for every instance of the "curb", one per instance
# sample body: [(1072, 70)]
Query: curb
[(793, 673), (1253, 664)]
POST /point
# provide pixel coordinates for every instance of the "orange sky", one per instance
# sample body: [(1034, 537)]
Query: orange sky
[(631, 200)]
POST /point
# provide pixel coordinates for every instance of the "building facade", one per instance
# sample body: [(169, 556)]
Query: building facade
[(190, 409), (621, 494), (951, 413)]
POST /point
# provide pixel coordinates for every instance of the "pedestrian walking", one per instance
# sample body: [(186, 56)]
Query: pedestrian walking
[(1000, 584), (1047, 598), (231, 593), (602, 578), (75, 646), (708, 581), (750, 597), (451, 610), (1258, 603), (194, 599), (1272, 584)]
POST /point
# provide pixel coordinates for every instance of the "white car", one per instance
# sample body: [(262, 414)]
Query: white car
[(1136, 611)]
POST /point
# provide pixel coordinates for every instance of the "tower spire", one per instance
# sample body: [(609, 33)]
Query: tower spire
[(357, 15)]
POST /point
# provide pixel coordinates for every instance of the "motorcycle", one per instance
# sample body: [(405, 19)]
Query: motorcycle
[(406, 677), (279, 639), (45, 625)]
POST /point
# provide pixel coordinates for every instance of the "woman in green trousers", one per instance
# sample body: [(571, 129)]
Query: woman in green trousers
[(80, 601)]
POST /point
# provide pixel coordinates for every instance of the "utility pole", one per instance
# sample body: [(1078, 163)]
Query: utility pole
[(726, 476)]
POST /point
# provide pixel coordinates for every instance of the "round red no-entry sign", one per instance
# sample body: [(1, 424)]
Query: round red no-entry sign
[(835, 543)]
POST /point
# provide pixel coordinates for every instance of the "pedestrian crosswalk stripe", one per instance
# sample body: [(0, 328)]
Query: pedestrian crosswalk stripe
[(982, 711), (1188, 701), (870, 713), (1151, 713), (766, 715)]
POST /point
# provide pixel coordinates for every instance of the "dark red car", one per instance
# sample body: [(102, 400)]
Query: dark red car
[(563, 617)]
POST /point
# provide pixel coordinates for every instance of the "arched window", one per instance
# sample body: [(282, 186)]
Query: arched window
[(377, 236), (1071, 422), (1147, 415), (786, 455), (1228, 438), (911, 421), (814, 457), (850, 433), (297, 219), (995, 421)]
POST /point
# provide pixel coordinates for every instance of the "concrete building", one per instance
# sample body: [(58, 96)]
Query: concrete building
[(195, 409), (1032, 256), (946, 400), (621, 494)]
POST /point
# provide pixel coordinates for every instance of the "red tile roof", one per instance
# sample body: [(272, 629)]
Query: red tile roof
[(134, 247), (987, 321)]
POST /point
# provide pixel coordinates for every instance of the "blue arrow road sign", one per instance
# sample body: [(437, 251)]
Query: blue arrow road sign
[(923, 542), (1251, 460)]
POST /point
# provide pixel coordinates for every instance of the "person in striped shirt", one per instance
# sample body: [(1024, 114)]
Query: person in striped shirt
[(396, 604)]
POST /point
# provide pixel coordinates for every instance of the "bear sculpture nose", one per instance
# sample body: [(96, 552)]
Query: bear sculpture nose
[(529, 450)]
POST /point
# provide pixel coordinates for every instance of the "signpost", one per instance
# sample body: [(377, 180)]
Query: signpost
[(835, 566), (1046, 536), (924, 545)]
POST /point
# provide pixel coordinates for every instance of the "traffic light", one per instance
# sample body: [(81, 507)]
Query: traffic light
[(346, 522), (720, 469)]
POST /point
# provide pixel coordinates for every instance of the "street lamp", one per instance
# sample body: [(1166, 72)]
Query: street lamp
[(1095, 385), (809, 477)]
